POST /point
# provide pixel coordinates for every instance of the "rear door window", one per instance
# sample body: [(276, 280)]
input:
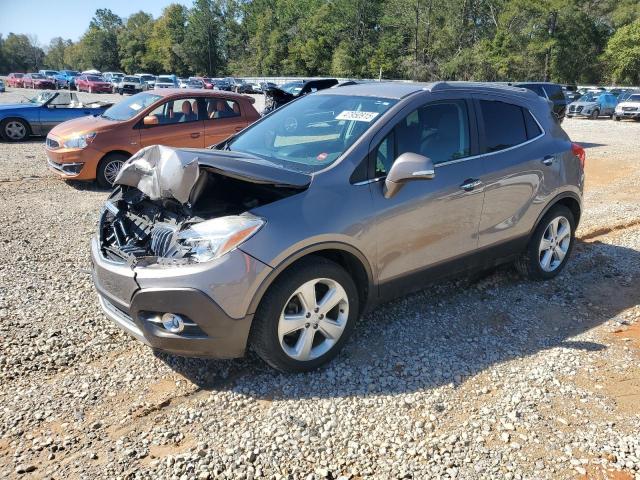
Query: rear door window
[(221, 108), (504, 125), (554, 92)]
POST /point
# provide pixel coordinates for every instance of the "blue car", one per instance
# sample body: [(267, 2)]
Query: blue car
[(70, 77), (43, 112), (58, 78)]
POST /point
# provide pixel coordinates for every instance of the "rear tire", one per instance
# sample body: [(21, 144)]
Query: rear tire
[(296, 328), (549, 247), (108, 169)]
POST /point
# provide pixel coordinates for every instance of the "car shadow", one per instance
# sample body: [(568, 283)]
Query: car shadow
[(87, 186), (449, 332)]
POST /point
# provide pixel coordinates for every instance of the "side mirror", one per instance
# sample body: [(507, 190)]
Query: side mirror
[(408, 166), (150, 120)]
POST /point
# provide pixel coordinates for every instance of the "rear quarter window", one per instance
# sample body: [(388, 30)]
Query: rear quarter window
[(504, 125)]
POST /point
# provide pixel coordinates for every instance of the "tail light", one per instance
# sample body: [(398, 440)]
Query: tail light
[(579, 152)]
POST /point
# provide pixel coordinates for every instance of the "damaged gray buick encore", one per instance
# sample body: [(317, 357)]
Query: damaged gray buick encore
[(279, 238)]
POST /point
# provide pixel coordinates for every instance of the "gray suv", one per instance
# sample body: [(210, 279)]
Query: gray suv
[(279, 238)]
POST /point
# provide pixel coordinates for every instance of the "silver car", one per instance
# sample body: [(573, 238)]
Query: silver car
[(280, 237)]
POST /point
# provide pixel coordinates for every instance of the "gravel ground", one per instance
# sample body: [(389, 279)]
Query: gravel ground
[(489, 378)]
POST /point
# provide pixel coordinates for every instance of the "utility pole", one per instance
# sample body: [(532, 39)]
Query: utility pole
[(553, 17)]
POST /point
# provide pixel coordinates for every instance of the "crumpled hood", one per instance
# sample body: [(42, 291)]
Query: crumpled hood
[(164, 172)]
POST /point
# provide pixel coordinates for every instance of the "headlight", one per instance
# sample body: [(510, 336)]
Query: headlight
[(79, 141), (211, 239)]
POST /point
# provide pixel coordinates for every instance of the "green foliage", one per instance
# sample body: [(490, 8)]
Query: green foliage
[(623, 54), (499, 40)]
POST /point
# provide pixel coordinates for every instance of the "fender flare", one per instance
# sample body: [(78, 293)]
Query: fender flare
[(552, 203), (308, 250)]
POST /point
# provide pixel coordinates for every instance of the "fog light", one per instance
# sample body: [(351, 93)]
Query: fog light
[(172, 322)]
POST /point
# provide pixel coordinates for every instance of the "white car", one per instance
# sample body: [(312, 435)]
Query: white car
[(628, 108), (147, 79)]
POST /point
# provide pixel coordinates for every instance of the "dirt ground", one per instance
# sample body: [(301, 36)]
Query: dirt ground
[(490, 378)]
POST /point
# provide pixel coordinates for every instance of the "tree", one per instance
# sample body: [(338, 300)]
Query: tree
[(165, 45), (99, 45), (54, 57), (204, 38), (622, 55), (133, 44), (22, 53)]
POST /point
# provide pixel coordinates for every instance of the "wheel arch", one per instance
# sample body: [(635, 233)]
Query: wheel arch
[(106, 155), (570, 200), (348, 257)]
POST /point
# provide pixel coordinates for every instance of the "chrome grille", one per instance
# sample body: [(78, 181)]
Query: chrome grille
[(629, 109)]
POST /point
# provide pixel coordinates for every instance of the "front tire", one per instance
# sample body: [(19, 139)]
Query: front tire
[(616, 118), (14, 129), (594, 115), (550, 246), (306, 316), (109, 168)]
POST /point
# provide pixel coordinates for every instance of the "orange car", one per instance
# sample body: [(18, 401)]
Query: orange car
[(90, 148)]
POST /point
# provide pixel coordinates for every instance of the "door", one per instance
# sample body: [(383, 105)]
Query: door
[(224, 118), (521, 170), (60, 109), (428, 222), (178, 123)]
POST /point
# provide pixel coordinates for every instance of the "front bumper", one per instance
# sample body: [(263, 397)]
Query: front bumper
[(136, 298), (628, 114), (73, 163)]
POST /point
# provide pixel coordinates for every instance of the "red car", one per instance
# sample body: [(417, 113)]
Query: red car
[(37, 80), (208, 83), (92, 84), (15, 80)]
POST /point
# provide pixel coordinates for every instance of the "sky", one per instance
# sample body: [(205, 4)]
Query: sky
[(67, 18)]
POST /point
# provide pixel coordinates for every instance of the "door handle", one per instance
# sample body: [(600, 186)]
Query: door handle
[(195, 135), (470, 184), (548, 160)]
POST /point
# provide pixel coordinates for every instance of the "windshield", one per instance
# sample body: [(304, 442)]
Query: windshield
[(311, 133), (130, 107), (37, 75), (589, 97), (165, 80), (634, 98), (147, 77), (292, 87), (71, 73), (93, 78), (131, 79), (51, 72), (42, 97)]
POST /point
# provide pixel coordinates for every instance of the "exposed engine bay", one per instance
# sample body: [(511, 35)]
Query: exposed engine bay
[(138, 230)]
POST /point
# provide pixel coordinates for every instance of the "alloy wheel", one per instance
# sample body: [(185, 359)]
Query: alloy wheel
[(111, 170), (554, 244), (15, 130), (313, 319)]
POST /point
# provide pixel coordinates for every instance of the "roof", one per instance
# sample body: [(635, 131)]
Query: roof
[(201, 92), (399, 90)]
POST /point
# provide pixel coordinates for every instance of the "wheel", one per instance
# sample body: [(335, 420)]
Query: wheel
[(109, 168), (306, 316), (569, 116), (550, 246), (616, 118), (14, 129), (594, 114)]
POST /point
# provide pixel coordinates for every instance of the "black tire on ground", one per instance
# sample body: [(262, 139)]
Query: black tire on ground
[(263, 337), (529, 263), (5, 136), (595, 114), (103, 171), (616, 118)]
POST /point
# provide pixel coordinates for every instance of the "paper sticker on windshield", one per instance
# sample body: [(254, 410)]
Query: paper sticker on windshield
[(357, 116), (135, 106)]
